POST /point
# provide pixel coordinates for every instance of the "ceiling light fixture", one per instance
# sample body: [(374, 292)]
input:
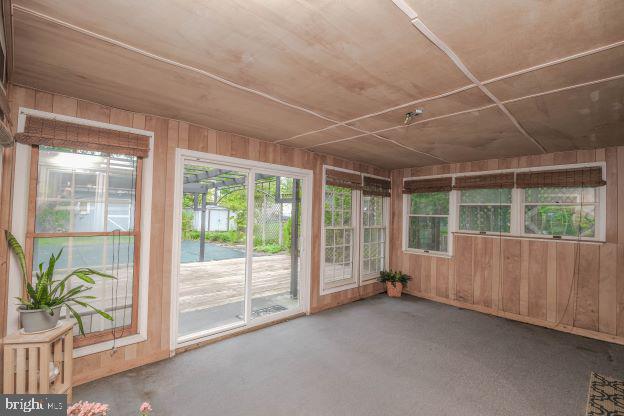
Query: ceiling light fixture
[(410, 115)]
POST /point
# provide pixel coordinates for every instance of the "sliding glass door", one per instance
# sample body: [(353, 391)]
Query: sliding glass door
[(240, 246), (212, 270), (276, 245)]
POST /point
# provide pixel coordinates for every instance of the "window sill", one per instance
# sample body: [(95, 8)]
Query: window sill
[(108, 345), (367, 280), (427, 253), (531, 237)]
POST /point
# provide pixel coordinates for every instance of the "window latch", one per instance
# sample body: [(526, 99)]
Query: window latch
[(557, 237), (426, 251)]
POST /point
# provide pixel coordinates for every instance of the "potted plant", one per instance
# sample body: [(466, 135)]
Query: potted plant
[(394, 280), (40, 309)]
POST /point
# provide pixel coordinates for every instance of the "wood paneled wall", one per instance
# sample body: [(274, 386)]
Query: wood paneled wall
[(568, 286), (169, 135)]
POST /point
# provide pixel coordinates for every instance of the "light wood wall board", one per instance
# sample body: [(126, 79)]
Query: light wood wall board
[(79, 65), (597, 66), (169, 135), (532, 32), (385, 153), (460, 101), (564, 285), (586, 117), (470, 136), (337, 58)]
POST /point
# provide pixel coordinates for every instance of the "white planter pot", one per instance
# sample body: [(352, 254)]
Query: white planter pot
[(38, 320)]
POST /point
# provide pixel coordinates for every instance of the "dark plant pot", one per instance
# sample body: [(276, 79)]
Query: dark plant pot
[(394, 291), (38, 320)]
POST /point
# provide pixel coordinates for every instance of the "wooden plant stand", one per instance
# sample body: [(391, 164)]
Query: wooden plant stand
[(27, 359)]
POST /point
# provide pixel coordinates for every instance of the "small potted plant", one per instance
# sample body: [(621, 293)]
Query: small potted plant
[(40, 309), (394, 280)]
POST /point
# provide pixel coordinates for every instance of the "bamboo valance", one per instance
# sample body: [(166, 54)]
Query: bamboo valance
[(376, 186), (343, 179), (571, 178), (416, 186), (492, 181), (46, 132)]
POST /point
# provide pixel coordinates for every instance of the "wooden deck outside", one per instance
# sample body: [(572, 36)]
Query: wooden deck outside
[(214, 283)]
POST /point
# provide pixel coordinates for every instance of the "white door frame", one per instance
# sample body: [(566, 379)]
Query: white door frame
[(250, 167)]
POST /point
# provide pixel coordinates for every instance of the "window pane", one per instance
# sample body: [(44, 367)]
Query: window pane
[(428, 233), (84, 191), (112, 255), (492, 218), (373, 235), (338, 239), (560, 195), (433, 203), (486, 196), (560, 220)]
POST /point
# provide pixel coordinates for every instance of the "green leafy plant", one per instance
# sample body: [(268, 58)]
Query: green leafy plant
[(393, 277), (48, 293)]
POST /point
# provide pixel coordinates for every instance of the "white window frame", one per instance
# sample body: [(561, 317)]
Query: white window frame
[(357, 218), (352, 245), (355, 238), (517, 210), (599, 216), (373, 277), (452, 222), (460, 204), (19, 210)]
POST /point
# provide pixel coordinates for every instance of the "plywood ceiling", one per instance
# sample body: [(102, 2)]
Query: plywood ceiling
[(494, 78)]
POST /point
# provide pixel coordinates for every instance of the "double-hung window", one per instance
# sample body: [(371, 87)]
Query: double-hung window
[(428, 211), (85, 200), (342, 190), (355, 229), (339, 233), (375, 194), (485, 203), (564, 203)]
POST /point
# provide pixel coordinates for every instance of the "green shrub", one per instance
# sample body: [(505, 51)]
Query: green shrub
[(394, 277), (270, 248)]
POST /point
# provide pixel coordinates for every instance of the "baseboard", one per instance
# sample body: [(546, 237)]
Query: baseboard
[(521, 318), (120, 368)]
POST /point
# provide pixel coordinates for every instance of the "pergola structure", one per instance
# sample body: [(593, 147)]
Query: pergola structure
[(201, 181)]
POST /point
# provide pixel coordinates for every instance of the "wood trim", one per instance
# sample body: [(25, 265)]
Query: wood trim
[(32, 208)]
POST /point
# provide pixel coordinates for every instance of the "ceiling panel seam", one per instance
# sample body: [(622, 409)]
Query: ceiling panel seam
[(387, 110), (423, 29), (489, 81), (196, 70), (539, 94), (569, 87), (420, 25), (171, 62), (400, 126), (556, 62), (199, 71)]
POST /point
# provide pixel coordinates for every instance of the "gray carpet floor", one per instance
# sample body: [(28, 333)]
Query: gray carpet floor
[(378, 356)]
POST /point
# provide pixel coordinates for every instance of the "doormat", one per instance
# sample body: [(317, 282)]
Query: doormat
[(267, 310), (606, 396)]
